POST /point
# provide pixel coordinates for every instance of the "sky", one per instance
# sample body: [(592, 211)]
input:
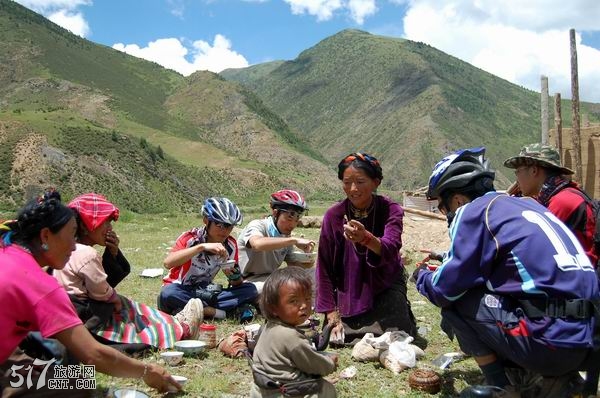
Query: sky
[(515, 39)]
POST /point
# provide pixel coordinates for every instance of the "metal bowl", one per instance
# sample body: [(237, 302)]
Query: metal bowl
[(190, 347)]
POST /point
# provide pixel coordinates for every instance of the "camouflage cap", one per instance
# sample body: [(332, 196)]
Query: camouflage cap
[(537, 154)]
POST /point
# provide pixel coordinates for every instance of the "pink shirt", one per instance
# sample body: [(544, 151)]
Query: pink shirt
[(30, 300)]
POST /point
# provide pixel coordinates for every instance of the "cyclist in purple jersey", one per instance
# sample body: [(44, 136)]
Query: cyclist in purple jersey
[(516, 285)]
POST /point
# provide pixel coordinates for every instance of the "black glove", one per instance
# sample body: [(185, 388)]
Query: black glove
[(415, 275)]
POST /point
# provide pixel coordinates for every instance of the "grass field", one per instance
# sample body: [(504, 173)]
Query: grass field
[(145, 241)]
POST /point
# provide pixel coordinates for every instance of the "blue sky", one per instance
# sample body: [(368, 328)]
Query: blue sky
[(514, 39)]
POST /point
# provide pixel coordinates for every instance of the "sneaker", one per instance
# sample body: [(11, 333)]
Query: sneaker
[(484, 391), (245, 313), (191, 315), (565, 386)]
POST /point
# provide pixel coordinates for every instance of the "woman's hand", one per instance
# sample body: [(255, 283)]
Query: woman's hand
[(111, 240), (337, 332), (117, 302), (355, 232), (159, 378)]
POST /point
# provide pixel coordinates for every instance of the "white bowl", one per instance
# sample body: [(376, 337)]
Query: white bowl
[(129, 393), (302, 257), (190, 346), (172, 357), (180, 379)]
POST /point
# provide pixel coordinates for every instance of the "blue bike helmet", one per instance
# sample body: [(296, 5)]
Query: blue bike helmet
[(221, 210)]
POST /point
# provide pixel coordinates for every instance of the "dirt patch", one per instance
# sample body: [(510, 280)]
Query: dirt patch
[(27, 168)]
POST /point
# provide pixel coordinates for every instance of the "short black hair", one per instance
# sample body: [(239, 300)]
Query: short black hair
[(269, 298)]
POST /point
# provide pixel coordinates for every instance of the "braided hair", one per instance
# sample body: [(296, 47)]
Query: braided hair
[(46, 211), (363, 161)]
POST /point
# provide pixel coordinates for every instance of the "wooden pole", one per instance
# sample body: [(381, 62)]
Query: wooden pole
[(575, 106), (558, 124), (424, 213), (544, 103)]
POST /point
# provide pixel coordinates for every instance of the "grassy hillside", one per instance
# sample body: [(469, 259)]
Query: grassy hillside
[(70, 94), (405, 102)]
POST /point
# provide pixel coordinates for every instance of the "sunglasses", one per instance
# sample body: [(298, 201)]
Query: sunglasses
[(292, 214), (222, 225)]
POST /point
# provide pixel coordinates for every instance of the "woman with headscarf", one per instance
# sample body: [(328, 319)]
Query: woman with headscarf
[(44, 235), (106, 313), (361, 281)]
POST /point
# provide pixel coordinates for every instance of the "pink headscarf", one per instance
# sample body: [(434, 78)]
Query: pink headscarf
[(94, 209)]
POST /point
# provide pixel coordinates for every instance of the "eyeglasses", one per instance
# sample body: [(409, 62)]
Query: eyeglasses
[(222, 225), (292, 215)]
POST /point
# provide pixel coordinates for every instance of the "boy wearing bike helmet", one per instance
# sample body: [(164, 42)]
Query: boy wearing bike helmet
[(515, 286), (197, 257), (264, 244)]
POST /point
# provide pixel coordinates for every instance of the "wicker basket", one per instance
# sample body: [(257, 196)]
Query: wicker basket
[(425, 380)]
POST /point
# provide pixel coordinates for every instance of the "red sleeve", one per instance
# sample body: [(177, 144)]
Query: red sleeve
[(181, 242)]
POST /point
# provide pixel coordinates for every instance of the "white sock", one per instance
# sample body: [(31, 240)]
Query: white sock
[(219, 314)]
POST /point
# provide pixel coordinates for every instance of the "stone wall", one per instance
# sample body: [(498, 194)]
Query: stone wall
[(590, 155)]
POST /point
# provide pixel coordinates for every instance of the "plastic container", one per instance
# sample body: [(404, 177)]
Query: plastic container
[(208, 334)]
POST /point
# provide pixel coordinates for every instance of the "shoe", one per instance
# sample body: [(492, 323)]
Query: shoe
[(565, 386), (245, 313), (482, 391), (191, 315)]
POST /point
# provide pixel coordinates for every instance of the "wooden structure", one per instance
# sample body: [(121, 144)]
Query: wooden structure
[(590, 155)]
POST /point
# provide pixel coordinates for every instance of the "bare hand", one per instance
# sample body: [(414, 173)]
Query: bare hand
[(157, 377), (111, 240), (118, 303), (215, 248), (432, 255), (305, 244), (354, 231)]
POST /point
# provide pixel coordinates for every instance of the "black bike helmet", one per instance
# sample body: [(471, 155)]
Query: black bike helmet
[(458, 171)]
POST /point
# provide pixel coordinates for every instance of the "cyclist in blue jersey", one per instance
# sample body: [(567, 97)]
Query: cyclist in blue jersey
[(515, 286)]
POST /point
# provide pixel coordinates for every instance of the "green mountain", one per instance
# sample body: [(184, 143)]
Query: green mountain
[(403, 101), (84, 117)]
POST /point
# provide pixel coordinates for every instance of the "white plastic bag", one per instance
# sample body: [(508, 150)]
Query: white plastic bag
[(398, 357)]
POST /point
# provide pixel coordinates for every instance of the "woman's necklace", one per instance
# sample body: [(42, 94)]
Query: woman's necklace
[(359, 214)]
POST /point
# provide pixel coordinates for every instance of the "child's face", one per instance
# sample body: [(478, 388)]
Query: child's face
[(294, 304)]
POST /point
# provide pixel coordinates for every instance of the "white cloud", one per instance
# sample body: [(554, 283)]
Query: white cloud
[(177, 7), (322, 9), (516, 40), (74, 22), (62, 12), (45, 5), (172, 54), (325, 9), (360, 9)]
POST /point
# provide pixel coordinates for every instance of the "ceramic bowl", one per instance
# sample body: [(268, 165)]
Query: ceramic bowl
[(172, 357), (302, 257), (180, 379), (129, 393), (190, 347)]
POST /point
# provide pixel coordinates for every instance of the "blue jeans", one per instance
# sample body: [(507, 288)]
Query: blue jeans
[(174, 296)]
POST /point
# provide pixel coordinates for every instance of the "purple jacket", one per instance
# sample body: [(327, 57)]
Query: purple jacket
[(348, 276)]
